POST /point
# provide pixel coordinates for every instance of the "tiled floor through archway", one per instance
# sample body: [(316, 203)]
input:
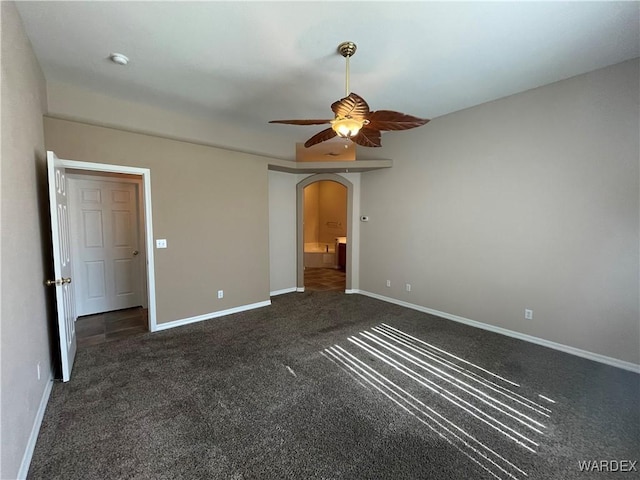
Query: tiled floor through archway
[(324, 279)]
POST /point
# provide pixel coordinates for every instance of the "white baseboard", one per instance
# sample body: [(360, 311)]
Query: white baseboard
[(283, 291), (208, 316), (350, 291), (35, 430), (300, 289), (510, 333)]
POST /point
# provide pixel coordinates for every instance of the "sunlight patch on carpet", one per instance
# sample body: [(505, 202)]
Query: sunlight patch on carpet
[(475, 410)]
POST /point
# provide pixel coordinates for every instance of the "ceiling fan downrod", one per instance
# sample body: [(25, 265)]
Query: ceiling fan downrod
[(347, 49)]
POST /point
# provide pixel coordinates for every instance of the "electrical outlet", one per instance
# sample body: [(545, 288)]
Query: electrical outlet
[(220, 293), (528, 314), (408, 287), (388, 283), (161, 243)]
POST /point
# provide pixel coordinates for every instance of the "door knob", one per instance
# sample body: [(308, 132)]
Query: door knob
[(61, 281), (135, 252)]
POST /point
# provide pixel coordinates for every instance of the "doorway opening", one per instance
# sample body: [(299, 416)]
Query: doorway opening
[(324, 216), (325, 235), (108, 248), (112, 250)]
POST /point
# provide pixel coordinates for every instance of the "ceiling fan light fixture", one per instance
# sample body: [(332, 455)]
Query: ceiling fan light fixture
[(346, 127)]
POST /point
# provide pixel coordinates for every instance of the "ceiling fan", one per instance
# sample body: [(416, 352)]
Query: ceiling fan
[(353, 119)]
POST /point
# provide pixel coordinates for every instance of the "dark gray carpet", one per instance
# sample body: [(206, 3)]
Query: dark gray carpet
[(281, 392)]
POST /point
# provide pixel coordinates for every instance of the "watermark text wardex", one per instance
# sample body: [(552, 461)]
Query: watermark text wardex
[(608, 466)]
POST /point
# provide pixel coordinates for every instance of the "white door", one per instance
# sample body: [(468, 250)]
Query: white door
[(104, 226), (62, 281)]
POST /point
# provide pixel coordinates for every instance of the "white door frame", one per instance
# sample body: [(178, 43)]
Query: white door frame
[(145, 173)]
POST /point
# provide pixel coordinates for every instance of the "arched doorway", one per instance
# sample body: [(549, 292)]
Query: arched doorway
[(300, 224)]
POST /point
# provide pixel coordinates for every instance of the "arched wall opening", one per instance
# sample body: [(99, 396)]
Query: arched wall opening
[(300, 204)]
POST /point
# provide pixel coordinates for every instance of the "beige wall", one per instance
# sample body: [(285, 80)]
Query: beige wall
[(210, 204), (353, 228), (24, 328), (311, 213), (531, 201), (80, 104), (332, 199), (282, 231)]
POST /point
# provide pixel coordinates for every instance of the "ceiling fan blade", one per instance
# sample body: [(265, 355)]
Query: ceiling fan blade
[(301, 122), (352, 106), (390, 120), (320, 137), (368, 137)]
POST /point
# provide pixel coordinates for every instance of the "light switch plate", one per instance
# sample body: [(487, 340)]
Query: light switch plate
[(161, 243)]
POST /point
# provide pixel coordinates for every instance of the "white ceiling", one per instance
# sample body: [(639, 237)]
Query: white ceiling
[(251, 62)]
